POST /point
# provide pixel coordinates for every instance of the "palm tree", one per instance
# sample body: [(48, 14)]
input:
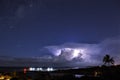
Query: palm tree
[(108, 60), (112, 61)]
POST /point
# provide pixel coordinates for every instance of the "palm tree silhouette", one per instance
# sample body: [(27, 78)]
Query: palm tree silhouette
[(107, 60), (112, 61)]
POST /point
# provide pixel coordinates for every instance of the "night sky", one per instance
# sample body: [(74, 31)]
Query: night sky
[(26, 26)]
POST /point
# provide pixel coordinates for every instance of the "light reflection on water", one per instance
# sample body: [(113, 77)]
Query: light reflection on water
[(78, 75)]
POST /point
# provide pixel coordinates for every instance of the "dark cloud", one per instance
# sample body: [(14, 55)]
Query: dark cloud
[(112, 46)]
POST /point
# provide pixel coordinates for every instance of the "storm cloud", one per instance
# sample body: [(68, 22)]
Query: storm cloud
[(62, 55), (92, 55)]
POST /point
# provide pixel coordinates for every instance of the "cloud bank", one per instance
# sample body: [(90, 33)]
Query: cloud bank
[(70, 55)]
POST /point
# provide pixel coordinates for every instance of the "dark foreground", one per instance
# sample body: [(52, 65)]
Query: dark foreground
[(93, 73)]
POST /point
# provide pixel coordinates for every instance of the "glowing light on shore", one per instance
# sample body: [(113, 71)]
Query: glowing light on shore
[(31, 69), (49, 69)]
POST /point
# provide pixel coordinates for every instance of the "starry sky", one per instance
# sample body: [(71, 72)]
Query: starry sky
[(26, 26)]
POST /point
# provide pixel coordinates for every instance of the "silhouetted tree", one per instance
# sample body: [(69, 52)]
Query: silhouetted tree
[(112, 61), (108, 60)]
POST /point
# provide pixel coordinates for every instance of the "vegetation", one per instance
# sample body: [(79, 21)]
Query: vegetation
[(108, 60)]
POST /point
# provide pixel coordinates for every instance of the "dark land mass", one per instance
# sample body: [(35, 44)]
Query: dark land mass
[(91, 73)]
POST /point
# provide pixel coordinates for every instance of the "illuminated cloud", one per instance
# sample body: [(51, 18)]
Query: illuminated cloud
[(73, 50), (91, 54), (70, 55)]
